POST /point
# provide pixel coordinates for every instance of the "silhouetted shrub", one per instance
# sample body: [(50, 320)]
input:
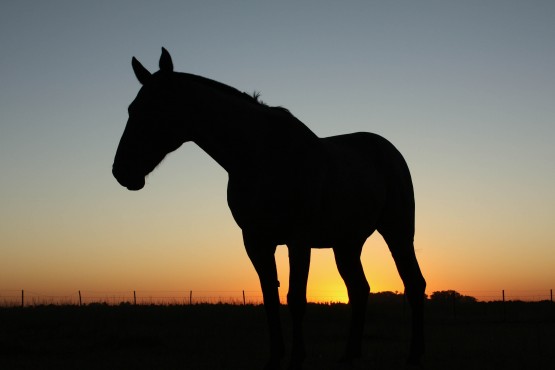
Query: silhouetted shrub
[(386, 297), (448, 296)]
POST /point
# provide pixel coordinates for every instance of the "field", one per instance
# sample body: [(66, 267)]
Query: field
[(513, 335)]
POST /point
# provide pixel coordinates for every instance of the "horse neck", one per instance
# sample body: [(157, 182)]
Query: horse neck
[(246, 137)]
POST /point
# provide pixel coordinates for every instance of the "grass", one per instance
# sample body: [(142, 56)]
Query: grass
[(478, 336)]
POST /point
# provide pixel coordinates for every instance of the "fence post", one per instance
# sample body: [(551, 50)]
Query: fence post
[(551, 295), (134, 298), (244, 302), (80, 302), (504, 309), (190, 297), (22, 298)]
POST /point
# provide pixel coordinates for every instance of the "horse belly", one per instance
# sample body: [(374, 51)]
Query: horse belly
[(353, 202), (314, 209)]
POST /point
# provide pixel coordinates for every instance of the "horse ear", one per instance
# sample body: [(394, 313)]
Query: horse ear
[(166, 64), (143, 75)]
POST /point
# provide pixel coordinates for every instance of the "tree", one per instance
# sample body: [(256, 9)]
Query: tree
[(446, 296), (386, 297)]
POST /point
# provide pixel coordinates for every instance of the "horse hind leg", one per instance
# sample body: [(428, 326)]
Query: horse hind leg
[(347, 258), (402, 250)]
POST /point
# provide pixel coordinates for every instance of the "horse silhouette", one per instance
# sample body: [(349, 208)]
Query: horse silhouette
[(286, 186)]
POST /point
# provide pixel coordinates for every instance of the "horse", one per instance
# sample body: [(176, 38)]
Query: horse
[(286, 186)]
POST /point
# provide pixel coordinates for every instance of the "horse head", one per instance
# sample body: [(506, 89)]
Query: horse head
[(155, 126)]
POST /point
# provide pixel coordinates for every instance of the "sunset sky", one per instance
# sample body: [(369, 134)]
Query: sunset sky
[(464, 89)]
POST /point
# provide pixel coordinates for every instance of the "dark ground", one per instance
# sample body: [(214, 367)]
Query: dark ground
[(515, 335)]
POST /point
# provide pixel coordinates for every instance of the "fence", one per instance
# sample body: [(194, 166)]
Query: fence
[(510, 295), (188, 297), (30, 298)]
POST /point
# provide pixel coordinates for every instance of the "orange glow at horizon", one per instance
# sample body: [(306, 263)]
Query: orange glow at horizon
[(165, 256)]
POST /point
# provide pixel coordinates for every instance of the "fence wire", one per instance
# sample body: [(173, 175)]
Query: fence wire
[(84, 297)]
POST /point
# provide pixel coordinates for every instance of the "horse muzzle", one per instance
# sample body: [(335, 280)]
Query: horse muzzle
[(132, 183)]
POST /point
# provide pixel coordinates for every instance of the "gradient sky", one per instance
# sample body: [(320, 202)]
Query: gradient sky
[(464, 89)]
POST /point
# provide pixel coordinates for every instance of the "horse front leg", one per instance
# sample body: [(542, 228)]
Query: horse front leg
[(299, 264), (261, 255)]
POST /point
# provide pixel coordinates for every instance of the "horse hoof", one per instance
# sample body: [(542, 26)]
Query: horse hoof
[(344, 364), (297, 360), (414, 362), (272, 365), (413, 367)]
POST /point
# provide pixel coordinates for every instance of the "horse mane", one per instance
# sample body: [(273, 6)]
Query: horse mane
[(253, 98), (256, 96)]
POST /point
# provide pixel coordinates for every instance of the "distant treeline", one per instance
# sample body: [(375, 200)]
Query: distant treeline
[(439, 296), (448, 296)]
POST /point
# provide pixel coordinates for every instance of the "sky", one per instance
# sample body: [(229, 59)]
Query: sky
[(464, 89)]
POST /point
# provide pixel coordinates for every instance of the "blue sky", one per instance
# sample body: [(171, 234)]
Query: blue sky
[(464, 89)]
